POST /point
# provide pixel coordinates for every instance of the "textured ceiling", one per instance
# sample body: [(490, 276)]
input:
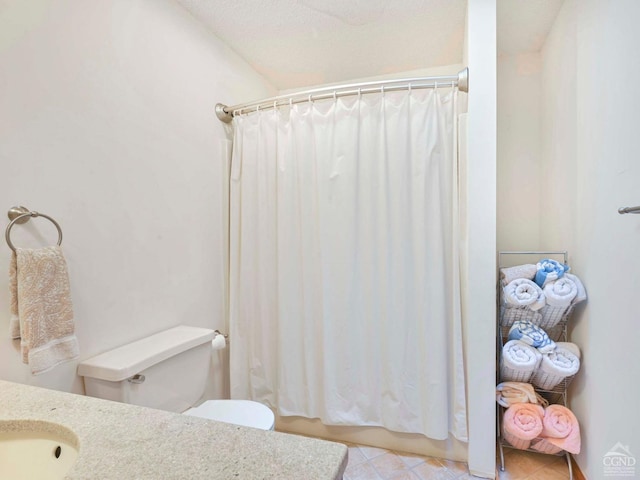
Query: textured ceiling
[(297, 43)]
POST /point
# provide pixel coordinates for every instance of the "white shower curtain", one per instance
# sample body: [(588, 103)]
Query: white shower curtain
[(345, 294)]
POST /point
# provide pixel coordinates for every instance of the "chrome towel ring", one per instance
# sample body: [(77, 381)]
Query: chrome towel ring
[(22, 215)]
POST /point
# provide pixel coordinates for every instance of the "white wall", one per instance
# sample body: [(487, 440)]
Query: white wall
[(592, 167), (481, 236), (558, 132), (519, 150), (107, 125)]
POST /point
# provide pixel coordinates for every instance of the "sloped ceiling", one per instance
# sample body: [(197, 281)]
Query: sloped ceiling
[(523, 25), (297, 43)]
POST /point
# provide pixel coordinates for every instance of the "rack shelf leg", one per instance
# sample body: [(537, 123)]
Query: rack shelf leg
[(499, 439), (570, 466)]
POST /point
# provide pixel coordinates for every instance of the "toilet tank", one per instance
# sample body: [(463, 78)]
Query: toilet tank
[(167, 370)]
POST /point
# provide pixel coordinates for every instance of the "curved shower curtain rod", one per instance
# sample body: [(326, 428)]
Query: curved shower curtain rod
[(461, 80)]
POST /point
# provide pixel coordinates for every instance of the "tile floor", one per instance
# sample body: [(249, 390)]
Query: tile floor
[(370, 463), (520, 465)]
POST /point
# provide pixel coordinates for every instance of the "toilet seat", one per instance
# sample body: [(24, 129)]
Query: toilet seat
[(239, 412)]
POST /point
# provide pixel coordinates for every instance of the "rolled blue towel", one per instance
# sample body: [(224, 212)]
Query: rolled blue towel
[(549, 270), (533, 335)]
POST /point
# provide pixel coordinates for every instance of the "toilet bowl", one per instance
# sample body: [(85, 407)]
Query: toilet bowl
[(168, 371), (239, 412)]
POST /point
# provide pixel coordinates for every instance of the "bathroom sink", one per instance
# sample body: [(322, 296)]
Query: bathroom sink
[(34, 449)]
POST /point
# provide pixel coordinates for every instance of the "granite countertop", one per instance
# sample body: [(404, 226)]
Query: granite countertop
[(120, 441)]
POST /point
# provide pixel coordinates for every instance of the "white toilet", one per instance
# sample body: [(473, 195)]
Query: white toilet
[(168, 371)]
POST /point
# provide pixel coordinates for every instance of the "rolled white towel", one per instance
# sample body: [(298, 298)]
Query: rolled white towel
[(581, 296), (519, 361), (572, 347), (524, 293), (561, 292), (509, 274), (555, 367)]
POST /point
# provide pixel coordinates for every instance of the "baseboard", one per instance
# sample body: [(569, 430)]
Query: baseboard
[(490, 476), (577, 473)]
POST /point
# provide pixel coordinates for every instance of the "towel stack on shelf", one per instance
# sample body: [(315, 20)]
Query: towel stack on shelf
[(531, 356), (530, 424), (535, 299), (536, 362), (543, 294)]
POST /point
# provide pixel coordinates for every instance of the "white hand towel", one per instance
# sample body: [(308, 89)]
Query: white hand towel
[(510, 274), (14, 321), (522, 292), (44, 308), (561, 292)]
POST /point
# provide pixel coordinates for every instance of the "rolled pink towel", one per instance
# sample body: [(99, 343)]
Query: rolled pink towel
[(561, 428), (543, 446), (522, 422)]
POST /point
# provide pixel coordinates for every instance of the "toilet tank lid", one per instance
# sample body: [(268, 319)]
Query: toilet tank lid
[(126, 361)]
